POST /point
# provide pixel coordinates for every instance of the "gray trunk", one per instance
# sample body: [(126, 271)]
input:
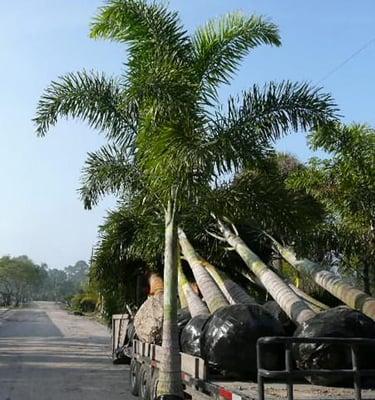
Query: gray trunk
[(170, 366), (210, 291), (354, 298), (232, 291), (297, 310), (194, 302)]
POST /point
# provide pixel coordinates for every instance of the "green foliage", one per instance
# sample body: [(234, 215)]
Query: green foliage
[(164, 109), (19, 278), (21, 281), (88, 96), (85, 301), (345, 185), (221, 44), (168, 132), (108, 171), (131, 239)]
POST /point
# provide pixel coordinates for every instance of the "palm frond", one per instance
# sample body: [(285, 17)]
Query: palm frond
[(90, 97), (108, 171), (265, 114), (221, 44), (143, 26)]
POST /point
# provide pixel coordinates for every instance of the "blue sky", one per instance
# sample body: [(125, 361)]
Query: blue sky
[(40, 213)]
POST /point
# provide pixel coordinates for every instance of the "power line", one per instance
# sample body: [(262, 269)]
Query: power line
[(334, 70)]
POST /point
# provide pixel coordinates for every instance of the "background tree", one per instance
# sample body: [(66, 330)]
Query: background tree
[(345, 185), (21, 281)]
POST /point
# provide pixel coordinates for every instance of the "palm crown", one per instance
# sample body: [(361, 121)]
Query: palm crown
[(163, 115)]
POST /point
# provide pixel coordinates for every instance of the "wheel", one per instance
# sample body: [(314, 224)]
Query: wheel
[(134, 376), (144, 380), (154, 384)]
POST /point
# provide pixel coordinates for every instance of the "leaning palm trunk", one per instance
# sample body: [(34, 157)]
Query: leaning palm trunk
[(194, 302), (231, 290), (314, 304), (180, 291), (354, 298), (297, 310), (213, 296), (170, 368)]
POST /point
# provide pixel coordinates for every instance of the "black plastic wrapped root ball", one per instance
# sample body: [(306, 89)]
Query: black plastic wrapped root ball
[(277, 312), (190, 338), (183, 317), (229, 340), (336, 322)]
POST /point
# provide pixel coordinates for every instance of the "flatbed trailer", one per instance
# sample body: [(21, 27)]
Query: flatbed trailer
[(271, 385)]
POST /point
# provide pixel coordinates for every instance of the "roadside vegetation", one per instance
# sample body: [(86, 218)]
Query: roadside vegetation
[(21, 281)]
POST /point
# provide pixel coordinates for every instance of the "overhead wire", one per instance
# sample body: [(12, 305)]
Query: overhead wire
[(338, 67)]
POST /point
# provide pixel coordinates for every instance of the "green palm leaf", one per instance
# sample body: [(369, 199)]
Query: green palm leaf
[(263, 115), (90, 97), (221, 44), (145, 27), (108, 171)]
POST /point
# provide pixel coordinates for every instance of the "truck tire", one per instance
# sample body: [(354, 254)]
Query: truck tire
[(134, 376), (154, 384), (144, 381)]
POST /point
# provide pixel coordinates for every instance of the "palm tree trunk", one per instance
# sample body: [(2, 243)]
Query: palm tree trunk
[(297, 310), (354, 298), (170, 368), (210, 291), (231, 290), (314, 304), (194, 302), (180, 290)]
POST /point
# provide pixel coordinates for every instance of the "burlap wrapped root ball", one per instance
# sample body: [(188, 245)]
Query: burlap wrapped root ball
[(148, 321)]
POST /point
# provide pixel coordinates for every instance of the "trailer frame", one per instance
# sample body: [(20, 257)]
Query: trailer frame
[(199, 384)]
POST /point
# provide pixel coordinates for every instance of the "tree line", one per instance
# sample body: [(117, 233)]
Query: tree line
[(21, 281)]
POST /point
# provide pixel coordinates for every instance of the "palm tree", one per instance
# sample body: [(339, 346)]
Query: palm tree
[(213, 296), (164, 118), (194, 302), (181, 294), (232, 291), (354, 298), (297, 309)]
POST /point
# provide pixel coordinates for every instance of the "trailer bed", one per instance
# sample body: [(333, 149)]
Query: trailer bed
[(200, 385), (237, 390)]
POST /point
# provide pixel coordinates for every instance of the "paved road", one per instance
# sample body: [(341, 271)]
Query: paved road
[(48, 354)]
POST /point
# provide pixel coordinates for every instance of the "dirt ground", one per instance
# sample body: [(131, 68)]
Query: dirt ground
[(49, 354)]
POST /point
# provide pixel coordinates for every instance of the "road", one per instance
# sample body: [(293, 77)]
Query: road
[(49, 354)]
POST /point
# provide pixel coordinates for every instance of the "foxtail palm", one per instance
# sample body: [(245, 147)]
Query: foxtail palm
[(180, 281), (353, 297), (213, 296), (297, 310), (232, 291), (163, 116), (194, 302), (313, 303)]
